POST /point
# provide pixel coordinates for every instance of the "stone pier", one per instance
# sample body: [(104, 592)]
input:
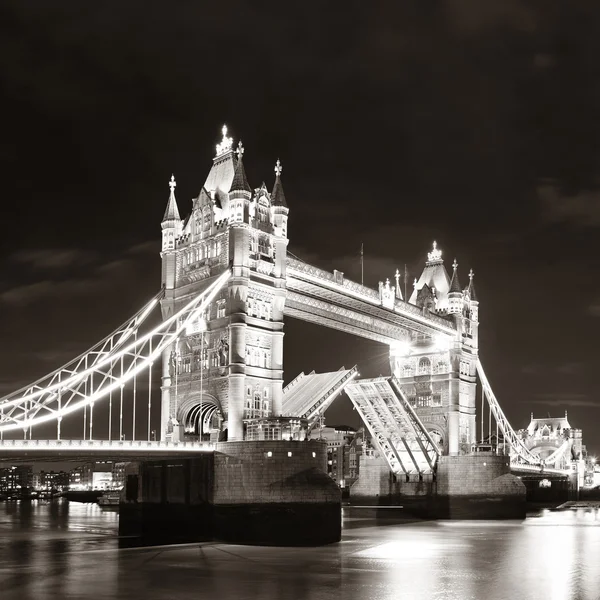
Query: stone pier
[(470, 486), (267, 493)]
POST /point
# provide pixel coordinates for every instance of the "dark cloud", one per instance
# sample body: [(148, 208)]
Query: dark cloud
[(582, 208), (51, 259), (567, 399)]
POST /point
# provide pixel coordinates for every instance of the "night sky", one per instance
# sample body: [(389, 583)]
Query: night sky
[(473, 123)]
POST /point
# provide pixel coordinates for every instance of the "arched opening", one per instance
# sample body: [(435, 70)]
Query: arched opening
[(200, 416)]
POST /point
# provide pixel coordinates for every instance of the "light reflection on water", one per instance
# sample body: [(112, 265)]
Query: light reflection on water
[(70, 550)]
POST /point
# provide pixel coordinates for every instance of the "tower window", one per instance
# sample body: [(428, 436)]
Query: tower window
[(424, 366)]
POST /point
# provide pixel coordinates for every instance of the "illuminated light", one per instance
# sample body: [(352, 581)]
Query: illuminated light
[(314, 455), (435, 254), (226, 143), (203, 300), (400, 348), (197, 326), (442, 342), (269, 454), (289, 453)]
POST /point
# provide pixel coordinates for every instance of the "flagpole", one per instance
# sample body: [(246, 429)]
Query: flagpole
[(362, 261), (405, 280)]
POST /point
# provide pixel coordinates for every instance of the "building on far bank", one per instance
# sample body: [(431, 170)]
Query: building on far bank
[(342, 448), (16, 478), (118, 475), (53, 481)]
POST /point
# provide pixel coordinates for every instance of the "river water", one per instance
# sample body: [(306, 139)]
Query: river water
[(70, 550)]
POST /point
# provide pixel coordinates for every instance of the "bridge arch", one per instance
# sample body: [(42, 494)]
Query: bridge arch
[(198, 409)]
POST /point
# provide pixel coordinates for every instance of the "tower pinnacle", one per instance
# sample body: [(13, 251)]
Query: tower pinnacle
[(226, 143), (435, 255), (172, 212), (277, 195), (472, 293), (240, 150), (454, 284)]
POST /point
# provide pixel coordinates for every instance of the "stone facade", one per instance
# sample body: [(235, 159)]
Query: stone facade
[(273, 472), (438, 374), (230, 367)]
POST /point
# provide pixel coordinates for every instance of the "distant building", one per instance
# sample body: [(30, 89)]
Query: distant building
[(554, 440), (53, 481), (81, 477), (118, 474), (16, 478), (339, 440)]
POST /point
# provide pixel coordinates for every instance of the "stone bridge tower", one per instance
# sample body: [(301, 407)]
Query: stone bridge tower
[(229, 365), (438, 374)]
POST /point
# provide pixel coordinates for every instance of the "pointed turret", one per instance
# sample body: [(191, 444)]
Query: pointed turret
[(279, 206), (172, 212), (277, 195), (471, 288), (454, 283), (240, 182), (171, 229), (455, 294)]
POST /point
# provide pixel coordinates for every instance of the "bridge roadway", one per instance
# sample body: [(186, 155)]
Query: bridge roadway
[(19, 451)]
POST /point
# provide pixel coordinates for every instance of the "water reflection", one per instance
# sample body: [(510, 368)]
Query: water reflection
[(62, 550)]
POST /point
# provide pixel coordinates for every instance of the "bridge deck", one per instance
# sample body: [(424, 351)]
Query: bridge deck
[(19, 450), (394, 426), (308, 395)]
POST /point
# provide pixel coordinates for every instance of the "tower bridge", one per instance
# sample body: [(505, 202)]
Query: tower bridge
[(227, 286)]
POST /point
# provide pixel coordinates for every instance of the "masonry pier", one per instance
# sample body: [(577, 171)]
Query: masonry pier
[(263, 493), (470, 486)]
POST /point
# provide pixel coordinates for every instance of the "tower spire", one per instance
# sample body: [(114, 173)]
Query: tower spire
[(454, 284), (471, 288), (277, 195), (398, 291), (172, 212), (240, 182)]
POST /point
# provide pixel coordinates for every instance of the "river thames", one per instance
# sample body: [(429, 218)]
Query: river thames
[(70, 550)]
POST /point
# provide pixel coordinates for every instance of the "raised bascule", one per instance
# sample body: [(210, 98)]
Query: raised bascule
[(228, 285)]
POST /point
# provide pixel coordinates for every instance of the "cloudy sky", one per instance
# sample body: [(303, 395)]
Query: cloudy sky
[(476, 124)]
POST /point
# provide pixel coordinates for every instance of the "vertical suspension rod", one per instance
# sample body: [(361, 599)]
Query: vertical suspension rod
[(482, 407), (85, 405), (489, 423), (112, 364), (59, 419), (134, 386), (121, 409), (91, 407), (149, 391)]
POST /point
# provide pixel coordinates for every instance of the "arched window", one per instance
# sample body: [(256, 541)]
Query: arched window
[(441, 367), (408, 371), (424, 366)]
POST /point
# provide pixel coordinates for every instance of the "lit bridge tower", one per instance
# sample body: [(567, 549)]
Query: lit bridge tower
[(438, 374), (229, 365)]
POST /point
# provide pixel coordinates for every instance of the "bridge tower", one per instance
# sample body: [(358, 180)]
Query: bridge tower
[(438, 374), (229, 365)]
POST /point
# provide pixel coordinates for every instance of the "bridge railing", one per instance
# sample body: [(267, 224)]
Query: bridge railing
[(126, 445)]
